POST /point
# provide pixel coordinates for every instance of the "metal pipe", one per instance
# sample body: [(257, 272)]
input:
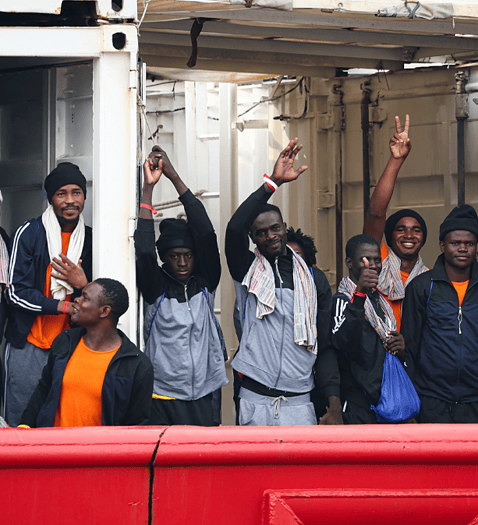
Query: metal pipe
[(461, 113), (365, 124), (339, 243), (460, 138)]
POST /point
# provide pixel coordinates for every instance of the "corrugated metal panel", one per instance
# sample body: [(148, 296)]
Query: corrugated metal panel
[(428, 179)]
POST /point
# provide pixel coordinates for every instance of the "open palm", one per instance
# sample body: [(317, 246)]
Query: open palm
[(284, 166)]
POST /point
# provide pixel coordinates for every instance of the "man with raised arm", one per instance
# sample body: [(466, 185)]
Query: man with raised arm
[(405, 231), (50, 263), (440, 326), (183, 340), (284, 313), (94, 375)]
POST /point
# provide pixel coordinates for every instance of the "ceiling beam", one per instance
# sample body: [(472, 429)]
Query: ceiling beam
[(259, 61), (323, 35), (240, 65), (310, 18), (275, 46)]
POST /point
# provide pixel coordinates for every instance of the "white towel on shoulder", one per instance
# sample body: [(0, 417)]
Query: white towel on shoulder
[(60, 289)]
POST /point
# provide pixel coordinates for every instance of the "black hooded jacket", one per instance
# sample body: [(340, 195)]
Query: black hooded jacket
[(127, 387), (441, 337)]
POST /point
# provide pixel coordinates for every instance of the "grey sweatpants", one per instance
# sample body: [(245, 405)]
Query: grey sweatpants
[(264, 411), (23, 370)]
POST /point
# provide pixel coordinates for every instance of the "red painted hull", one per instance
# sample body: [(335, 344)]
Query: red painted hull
[(403, 474)]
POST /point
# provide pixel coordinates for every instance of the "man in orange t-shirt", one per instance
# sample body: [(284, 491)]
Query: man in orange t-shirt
[(94, 375), (439, 325), (51, 260), (405, 231)]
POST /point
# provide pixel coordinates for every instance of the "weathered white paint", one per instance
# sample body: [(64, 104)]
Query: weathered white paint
[(65, 42), (103, 7), (114, 168)]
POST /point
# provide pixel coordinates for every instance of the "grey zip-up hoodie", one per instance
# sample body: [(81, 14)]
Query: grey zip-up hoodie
[(182, 339), (267, 352)]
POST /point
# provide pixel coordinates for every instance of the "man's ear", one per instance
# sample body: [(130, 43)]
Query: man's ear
[(105, 311), (251, 235), (442, 246), (348, 262)]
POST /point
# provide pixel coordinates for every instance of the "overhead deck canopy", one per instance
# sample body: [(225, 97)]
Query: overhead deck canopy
[(314, 38)]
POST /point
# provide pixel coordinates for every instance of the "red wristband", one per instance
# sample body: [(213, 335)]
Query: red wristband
[(360, 294), (65, 306), (148, 207), (270, 185)]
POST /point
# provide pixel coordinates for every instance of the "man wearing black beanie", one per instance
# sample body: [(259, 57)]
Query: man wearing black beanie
[(440, 328), (405, 231), (183, 338), (51, 261)]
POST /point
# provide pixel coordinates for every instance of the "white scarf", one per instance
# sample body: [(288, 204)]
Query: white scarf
[(260, 282), (60, 289)]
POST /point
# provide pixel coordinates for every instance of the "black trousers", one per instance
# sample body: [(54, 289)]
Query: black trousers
[(357, 415), (436, 411), (176, 412)]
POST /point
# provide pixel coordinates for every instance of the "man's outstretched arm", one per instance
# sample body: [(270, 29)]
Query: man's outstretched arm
[(238, 256), (376, 217)]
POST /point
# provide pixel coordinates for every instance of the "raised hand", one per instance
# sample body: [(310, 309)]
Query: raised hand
[(153, 167), (67, 270), (284, 166), (400, 144), (368, 278), (168, 169)]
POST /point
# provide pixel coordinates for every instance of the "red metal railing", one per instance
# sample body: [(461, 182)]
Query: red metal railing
[(407, 474)]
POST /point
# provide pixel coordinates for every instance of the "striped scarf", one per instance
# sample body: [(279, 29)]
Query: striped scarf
[(3, 262), (347, 287), (260, 282), (390, 281)]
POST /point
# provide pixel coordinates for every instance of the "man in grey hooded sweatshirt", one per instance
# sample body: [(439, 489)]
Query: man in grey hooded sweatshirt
[(284, 314), (183, 341)]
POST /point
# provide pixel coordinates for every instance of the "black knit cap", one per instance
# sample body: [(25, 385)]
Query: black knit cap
[(174, 233), (460, 218), (393, 220), (264, 208), (65, 173)]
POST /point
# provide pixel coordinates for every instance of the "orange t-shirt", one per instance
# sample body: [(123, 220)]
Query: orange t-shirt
[(80, 399), (46, 327), (396, 305), (461, 290)]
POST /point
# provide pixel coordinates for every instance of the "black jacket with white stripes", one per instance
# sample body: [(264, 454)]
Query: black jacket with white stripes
[(360, 350), (29, 260)]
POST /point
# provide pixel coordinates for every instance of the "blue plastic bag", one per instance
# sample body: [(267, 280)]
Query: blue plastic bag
[(399, 400)]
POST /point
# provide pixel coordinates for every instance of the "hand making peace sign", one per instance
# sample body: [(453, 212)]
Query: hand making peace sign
[(400, 144)]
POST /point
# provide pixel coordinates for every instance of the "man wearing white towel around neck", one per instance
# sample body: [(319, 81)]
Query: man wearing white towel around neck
[(283, 308), (50, 263)]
